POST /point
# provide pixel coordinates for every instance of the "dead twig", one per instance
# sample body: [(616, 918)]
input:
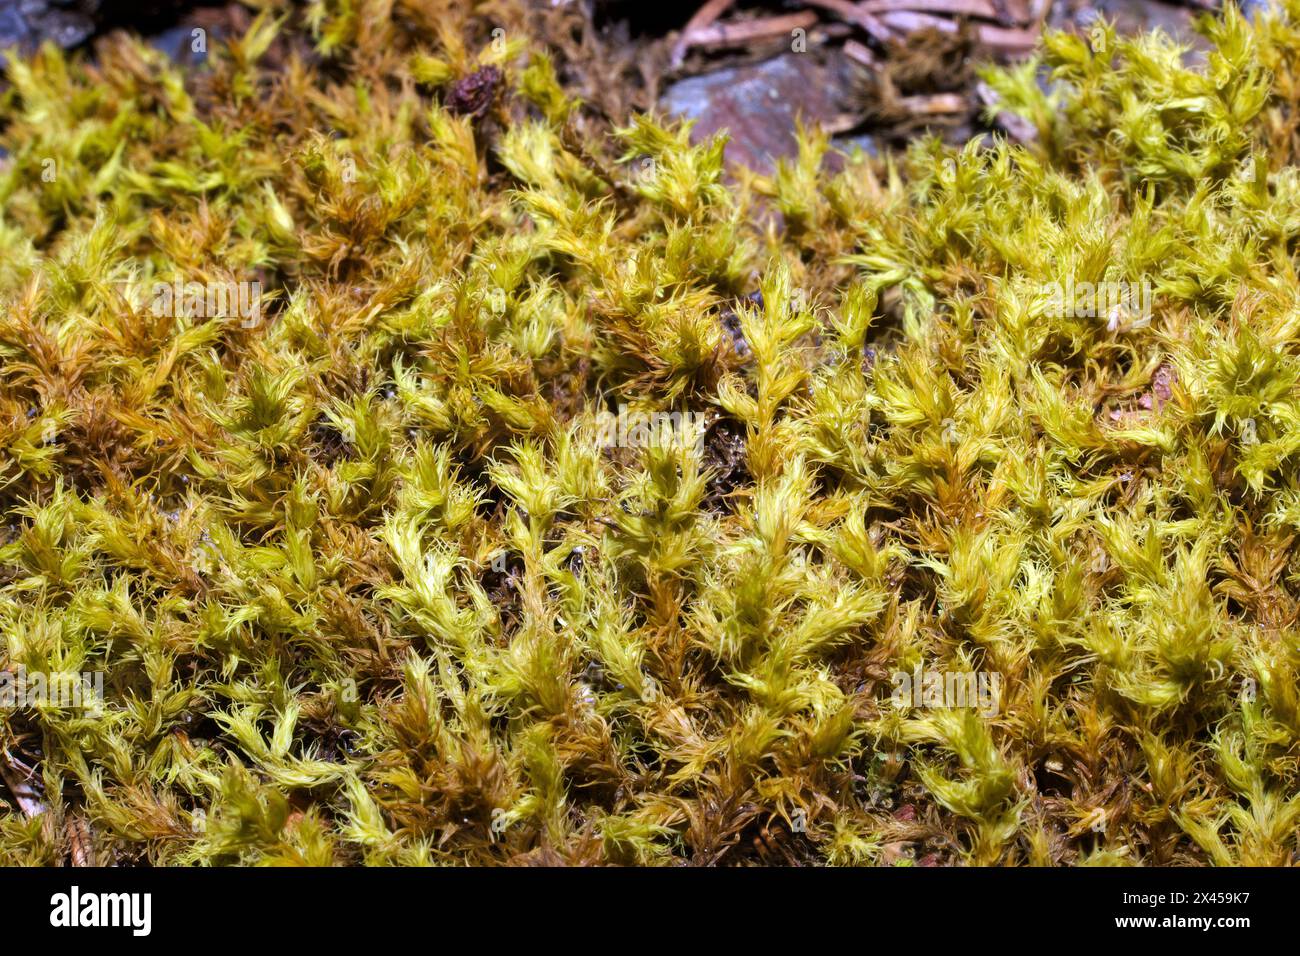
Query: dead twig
[(742, 32), (970, 8), (860, 53), (998, 38), (24, 794), (704, 16), (79, 842), (935, 104), (1009, 39), (1016, 127), (850, 13), (881, 19)]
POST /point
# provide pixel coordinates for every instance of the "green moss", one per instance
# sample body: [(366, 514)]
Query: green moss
[(368, 581)]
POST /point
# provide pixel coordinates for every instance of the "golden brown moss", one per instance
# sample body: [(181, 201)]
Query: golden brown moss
[(382, 562)]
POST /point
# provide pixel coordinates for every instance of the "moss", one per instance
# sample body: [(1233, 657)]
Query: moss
[(385, 559)]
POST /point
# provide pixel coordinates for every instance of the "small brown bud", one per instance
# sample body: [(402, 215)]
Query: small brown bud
[(473, 95)]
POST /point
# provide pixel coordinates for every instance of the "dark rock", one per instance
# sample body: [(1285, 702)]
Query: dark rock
[(29, 23), (757, 104), (178, 43), (13, 28), (26, 24), (1257, 8), (1128, 16)]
